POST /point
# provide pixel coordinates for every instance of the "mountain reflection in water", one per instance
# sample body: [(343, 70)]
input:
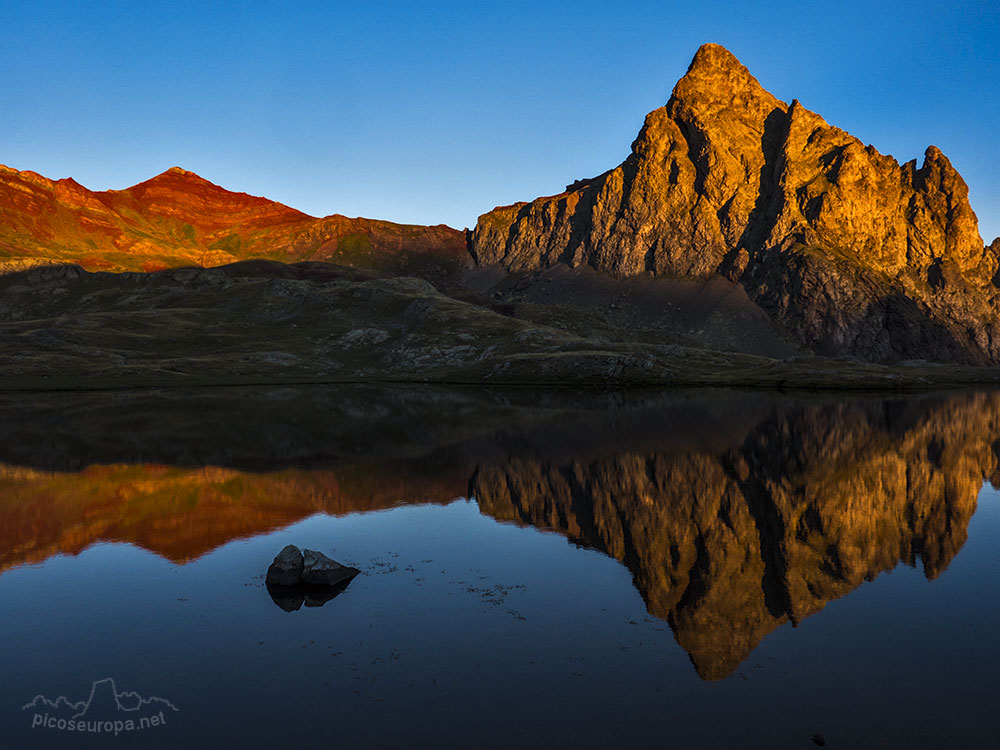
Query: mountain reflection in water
[(735, 513)]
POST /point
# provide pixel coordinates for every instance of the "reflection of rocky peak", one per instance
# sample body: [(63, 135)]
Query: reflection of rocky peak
[(183, 513), (852, 252), (729, 546)]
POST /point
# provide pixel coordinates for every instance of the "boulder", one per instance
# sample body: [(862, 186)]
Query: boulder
[(286, 570), (318, 569), (306, 576)]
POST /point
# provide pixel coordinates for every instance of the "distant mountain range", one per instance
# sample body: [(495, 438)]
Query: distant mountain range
[(178, 218), (806, 241)]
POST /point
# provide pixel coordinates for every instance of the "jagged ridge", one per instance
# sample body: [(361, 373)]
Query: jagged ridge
[(853, 253)]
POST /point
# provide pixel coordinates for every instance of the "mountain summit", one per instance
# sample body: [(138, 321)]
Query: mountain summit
[(848, 250)]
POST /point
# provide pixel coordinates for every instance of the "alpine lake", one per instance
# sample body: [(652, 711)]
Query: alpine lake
[(689, 569)]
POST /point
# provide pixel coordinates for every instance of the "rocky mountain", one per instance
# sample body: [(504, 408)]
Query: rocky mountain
[(179, 219), (738, 225), (849, 251)]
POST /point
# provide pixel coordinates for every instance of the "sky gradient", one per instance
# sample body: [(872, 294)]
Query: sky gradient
[(437, 112)]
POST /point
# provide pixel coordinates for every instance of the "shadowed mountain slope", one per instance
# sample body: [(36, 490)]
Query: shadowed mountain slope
[(266, 322)]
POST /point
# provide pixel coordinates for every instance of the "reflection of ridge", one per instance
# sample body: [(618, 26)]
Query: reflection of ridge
[(104, 700), (818, 499), (182, 514), (330, 450), (778, 507)]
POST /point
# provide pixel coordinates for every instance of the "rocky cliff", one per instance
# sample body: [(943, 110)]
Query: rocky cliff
[(178, 218), (848, 250)]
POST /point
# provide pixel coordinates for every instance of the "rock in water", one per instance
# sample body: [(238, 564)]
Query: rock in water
[(321, 570), (296, 577), (286, 570)]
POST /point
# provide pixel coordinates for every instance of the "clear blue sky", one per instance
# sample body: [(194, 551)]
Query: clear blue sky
[(436, 112)]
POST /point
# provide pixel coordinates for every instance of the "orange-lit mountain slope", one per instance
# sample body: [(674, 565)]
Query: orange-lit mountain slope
[(178, 218)]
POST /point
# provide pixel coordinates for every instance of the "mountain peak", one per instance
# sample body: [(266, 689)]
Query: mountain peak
[(715, 57), (728, 180), (716, 80), (177, 181), (179, 218), (934, 154), (179, 175)]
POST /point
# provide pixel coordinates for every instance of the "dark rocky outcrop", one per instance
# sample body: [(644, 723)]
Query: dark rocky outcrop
[(848, 250), (320, 570)]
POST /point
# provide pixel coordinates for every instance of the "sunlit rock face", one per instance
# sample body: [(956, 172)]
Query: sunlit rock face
[(815, 501), (852, 252), (178, 218)]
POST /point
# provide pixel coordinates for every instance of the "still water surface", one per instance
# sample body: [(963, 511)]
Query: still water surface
[(707, 570)]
